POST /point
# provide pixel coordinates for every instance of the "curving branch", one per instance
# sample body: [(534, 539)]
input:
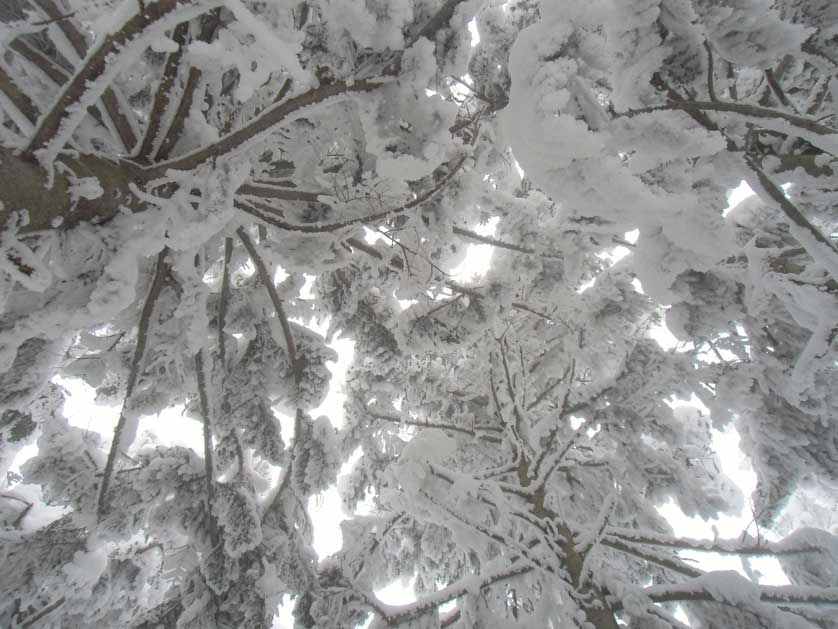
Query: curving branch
[(161, 270)]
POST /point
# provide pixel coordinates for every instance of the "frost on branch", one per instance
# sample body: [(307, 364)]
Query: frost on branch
[(499, 231)]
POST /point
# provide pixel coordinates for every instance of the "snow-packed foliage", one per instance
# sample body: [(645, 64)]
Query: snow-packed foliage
[(191, 189)]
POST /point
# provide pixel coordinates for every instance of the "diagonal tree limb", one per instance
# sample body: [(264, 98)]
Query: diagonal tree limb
[(264, 123), (207, 434), (181, 102), (153, 132), (319, 228), (88, 83), (16, 103), (267, 280), (439, 21), (751, 111), (39, 61), (821, 248), (777, 594), (224, 299), (731, 547), (280, 193), (670, 563), (114, 110), (500, 244), (161, 270), (296, 365)]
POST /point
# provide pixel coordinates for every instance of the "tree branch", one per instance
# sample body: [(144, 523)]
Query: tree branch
[(115, 112), (777, 594), (89, 81), (256, 209), (161, 270), (271, 117), (397, 419), (16, 103), (267, 280), (500, 244), (822, 249), (224, 299), (207, 434), (187, 95), (731, 547), (752, 111), (163, 95)]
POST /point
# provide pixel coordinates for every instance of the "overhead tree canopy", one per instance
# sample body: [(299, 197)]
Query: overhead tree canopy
[(191, 189)]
